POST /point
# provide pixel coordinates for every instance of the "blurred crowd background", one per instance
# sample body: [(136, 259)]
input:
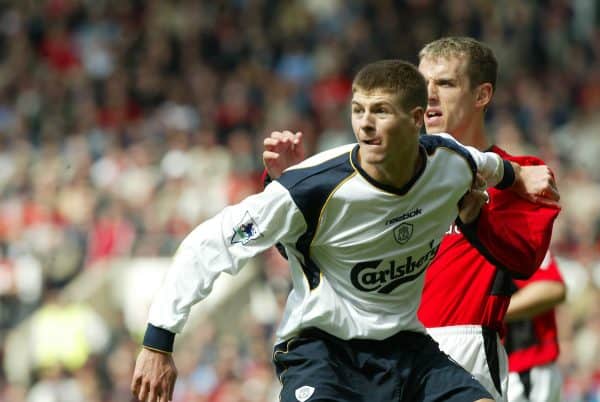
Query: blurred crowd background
[(125, 123)]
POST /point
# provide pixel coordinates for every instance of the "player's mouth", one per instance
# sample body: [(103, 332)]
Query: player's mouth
[(373, 141), (433, 117)]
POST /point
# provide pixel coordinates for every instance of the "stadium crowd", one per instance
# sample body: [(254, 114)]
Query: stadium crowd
[(125, 123)]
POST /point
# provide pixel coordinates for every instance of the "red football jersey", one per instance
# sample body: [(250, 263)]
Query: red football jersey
[(469, 281), (534, 342)]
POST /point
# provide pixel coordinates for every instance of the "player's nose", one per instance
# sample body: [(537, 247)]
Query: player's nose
[(432, 92), (366, 121)]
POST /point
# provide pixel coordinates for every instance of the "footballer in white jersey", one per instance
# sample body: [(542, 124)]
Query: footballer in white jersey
[(357, 249)]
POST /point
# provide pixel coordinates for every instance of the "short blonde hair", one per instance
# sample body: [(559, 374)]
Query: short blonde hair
[(482, 65)]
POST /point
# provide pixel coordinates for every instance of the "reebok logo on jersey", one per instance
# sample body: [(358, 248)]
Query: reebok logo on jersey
[(409, 214), (245, 231), (369, 276), (304, 392)]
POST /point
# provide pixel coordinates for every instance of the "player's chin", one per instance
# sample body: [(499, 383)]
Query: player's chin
[(375, 151), (373, 158), (433, 128)]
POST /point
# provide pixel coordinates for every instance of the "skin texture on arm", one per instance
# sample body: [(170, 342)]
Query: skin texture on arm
[(539, 294), (536, 184), (535, 298), (154, 376)]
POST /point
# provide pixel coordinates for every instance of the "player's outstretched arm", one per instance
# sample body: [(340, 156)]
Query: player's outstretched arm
[(220, 244), (542, 292), (154, 376), (514, 231), (282, 149), (534, 299), (534, 183)]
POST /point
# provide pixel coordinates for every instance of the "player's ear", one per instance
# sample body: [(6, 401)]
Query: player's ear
[(417, 114), (484, 94)]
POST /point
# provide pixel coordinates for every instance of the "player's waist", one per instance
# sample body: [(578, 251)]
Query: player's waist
[(410, 338), (464, 321), (368, 332), (482, 311), (463, 331)]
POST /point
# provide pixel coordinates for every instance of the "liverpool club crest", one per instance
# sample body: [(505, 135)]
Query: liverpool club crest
[(403, 232)]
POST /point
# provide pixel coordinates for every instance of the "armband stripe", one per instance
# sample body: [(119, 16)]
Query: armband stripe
[(508, 178), (158, 339)]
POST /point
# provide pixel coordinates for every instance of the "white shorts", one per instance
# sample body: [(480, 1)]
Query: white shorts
[(467, 345), (540, 384)]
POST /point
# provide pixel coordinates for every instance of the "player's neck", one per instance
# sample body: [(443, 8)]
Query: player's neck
[(475, 136), (395, 172)]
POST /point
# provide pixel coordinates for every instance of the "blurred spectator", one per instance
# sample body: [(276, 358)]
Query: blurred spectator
[(65, 335)]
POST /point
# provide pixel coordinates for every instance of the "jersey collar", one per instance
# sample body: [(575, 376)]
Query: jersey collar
[(385, 187)]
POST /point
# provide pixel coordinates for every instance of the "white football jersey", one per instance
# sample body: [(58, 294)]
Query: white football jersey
[(357, 249)]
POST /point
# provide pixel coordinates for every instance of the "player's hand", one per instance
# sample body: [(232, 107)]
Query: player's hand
[(154, 377), (536, 184), (282, 150), (471, 203)]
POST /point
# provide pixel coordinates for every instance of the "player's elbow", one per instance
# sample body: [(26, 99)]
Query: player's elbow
[(531, 260)]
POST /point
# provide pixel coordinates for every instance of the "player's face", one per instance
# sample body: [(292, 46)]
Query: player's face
[(384, 130), (451, 102)]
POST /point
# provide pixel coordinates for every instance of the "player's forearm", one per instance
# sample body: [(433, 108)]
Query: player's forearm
[(534, 299), (188, 280), (223, 243)]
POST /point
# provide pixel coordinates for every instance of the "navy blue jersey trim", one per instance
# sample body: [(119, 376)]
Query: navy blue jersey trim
[(431, 142), (280, 248), (502, 283), (390, 189), (490, 344), (525, 377), (310, 188), (158, 338)]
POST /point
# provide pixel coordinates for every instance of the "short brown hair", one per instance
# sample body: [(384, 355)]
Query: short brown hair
[(482, 65), (396, 77)]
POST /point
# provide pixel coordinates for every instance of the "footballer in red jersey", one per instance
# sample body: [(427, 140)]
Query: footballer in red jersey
[(468, 285), (532, 337)]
